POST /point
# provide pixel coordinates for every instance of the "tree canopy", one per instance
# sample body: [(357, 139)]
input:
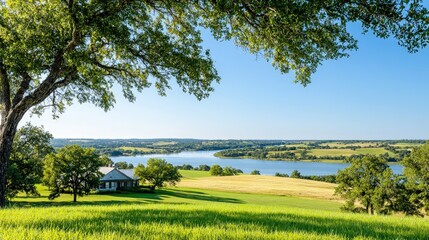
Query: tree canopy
[(368, 181), (157, 173), (55, 52), (73, 169), (416, 169), (30, 147)]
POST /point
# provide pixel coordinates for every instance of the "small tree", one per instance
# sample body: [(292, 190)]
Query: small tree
[(216, 170), (295, 174), (157, 173), (368, 180), (255, 172), (204, 167), (124, 165), (30, 147), (72, 168), (416, 169), (107, 162)]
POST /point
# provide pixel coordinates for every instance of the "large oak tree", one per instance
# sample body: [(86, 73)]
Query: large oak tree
[(55, 51)]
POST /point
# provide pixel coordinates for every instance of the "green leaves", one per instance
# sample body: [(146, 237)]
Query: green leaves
[(25, 169), (417, 172), (368, 181), (81, 49), (157, 173), (73, 169)]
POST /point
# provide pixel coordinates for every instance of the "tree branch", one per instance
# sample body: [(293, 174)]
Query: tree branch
[(23, 87)]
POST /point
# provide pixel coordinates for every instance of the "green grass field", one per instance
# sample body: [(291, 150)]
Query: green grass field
[(190, 213)]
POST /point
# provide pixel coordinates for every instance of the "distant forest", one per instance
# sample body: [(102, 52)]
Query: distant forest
[(296, 150)]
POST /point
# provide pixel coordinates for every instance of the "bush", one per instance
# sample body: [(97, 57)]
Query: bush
[(230, 171), (216, 170), (281, 174), (204, 167), (295, 174), (255, 172)]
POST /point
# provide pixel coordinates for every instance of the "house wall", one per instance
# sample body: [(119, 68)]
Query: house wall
[(114, 185)]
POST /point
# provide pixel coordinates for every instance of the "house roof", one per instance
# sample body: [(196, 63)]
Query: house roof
[(129, 173), (111, 173), (105, 170)]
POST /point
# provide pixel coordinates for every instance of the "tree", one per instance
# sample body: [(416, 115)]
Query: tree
[(204, 167), (107, 162), (216, 170), (30, 146), (157, 173), (295, 174), (255, 172), (404, 200), (72, 169), (368, 180), (52, 52), (230, 171), (124, 165), (416, 170)]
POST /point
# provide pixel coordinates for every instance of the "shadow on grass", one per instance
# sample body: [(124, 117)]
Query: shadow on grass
[(124, 198), (179, 193), (228, 220)]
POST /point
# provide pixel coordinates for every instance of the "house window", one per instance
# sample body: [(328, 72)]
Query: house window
[(113, 185)]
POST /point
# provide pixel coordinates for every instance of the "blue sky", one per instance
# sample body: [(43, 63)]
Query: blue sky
[(379, 92)]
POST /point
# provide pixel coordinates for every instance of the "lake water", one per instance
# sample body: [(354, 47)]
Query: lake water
[(266, 167)]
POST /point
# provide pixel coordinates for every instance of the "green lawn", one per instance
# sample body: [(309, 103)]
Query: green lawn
[(179, 213)]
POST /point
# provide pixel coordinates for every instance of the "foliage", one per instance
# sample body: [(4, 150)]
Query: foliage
[(403, 199), (107, 162), (295, 174), (255, 172), (281, 174), (157, 173), (368, 180), (72, 168), (204, 167), (216, 170), (30, 146), (416, 170), (124, 165), (230, 171)]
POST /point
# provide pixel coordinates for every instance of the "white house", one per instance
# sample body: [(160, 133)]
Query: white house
[(114, 178)]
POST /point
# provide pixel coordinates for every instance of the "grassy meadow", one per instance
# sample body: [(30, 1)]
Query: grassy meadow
[(197, 210)]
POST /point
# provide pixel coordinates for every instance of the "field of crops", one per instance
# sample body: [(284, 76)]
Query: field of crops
[(348, 152)]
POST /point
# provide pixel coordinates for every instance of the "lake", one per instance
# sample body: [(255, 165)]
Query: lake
[(266, 167)]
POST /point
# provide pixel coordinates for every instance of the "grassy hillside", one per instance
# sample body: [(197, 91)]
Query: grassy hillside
[(201, 221), (189, 213)]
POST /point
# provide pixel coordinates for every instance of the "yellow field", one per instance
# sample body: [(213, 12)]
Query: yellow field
[(265, 185), (406, 145), (142, 149), (345, 145), (348, 152)]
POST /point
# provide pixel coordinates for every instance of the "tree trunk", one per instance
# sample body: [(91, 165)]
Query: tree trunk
[(7, 133), (74, 196)]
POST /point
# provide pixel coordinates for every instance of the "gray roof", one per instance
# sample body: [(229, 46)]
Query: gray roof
[(105, 170), (129, 173), (111, 173)]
